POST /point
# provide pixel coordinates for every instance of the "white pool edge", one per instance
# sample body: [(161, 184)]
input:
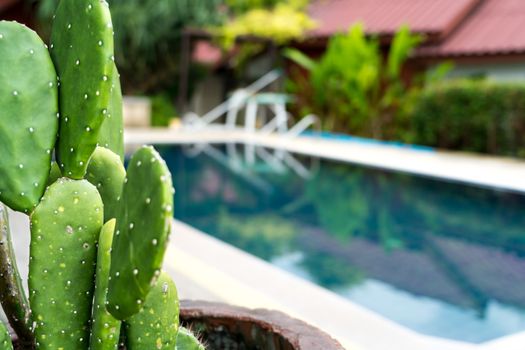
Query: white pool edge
[(481, 170)]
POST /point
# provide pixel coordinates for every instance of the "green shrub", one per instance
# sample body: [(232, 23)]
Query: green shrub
[(162, 110), (478, 116), (353, 88)]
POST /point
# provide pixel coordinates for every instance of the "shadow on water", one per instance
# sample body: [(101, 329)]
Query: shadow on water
[(453, 254)]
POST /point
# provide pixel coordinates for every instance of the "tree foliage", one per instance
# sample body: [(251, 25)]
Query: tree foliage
[(280, 21), (147, 36), (242, 6)]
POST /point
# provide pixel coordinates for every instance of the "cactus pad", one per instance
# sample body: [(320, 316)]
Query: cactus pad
[(106, 172), (156, 325), (105, 329), (82, 50), (28, 116), (187, 341), (143, 226), (5, 338), (112, 132), (65, 227)]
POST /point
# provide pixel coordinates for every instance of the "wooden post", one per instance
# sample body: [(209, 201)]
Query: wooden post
[(184, 73)]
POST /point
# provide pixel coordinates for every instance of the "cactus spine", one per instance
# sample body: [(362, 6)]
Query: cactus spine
[(187, 341), (105, 329)]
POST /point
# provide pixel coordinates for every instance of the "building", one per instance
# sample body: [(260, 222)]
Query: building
[(481, 37)]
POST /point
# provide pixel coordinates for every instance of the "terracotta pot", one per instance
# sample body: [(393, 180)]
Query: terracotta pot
[(230, 327), (223, 326)]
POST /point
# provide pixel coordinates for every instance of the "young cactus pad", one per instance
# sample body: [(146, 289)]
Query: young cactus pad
[(65, 227), (112, 132), (105, 329), (82, 50), (106, 172), (28, 116), (187, 341), (12, 294), (156, 325), (141, 236)]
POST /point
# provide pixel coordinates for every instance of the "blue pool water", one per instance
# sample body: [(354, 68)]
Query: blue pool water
[(443, 259)]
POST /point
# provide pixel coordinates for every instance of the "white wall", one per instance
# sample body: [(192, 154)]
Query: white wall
[(207, 95), (499, 72)]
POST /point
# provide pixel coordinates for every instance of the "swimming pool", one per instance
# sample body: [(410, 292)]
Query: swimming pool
[(443, 259)]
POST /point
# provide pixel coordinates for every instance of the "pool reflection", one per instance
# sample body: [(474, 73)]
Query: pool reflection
[(441, 258)]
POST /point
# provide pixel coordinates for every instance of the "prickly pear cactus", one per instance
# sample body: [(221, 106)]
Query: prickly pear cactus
[(112, 131), (157, 323), (64, 231), (187, 341), (12, 294), (82, 99), (143, 226), (82, 50), (28, 116), (5, 338), (106, 172), (105, 328)]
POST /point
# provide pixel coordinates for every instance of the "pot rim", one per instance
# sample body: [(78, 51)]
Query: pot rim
[(301, 335)]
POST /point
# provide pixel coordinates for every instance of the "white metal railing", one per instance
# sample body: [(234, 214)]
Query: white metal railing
[(249, 99), (235, 102)]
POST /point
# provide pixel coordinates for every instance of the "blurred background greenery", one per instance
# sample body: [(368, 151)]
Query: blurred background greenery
[(357, 85)]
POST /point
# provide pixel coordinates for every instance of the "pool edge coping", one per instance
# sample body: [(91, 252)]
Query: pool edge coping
[(494, 172)]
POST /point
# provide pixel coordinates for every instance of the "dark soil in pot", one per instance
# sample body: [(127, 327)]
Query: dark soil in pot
[(228, 327)]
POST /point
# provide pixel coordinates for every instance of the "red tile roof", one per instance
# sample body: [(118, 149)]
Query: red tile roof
[(495, 27), (458, 27), (385, 16), (5, 4)]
